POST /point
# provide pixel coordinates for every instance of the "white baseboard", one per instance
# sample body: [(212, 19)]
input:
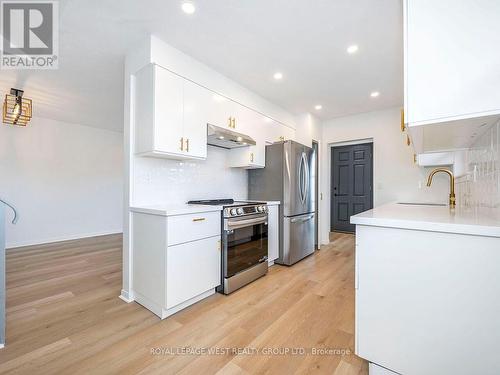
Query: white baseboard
[(125, 296), (13, 245)]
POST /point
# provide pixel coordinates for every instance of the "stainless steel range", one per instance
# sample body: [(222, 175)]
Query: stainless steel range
[(244, 242)]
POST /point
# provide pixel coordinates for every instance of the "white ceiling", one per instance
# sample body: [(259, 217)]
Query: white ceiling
[(247, 41)]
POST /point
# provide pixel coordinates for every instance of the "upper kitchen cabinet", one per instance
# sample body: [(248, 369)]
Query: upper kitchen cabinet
[(168, 120), (248, 122), (204, 106), (451, 62), (275, 131)]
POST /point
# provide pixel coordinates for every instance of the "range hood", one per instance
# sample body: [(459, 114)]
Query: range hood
[(225, 138)]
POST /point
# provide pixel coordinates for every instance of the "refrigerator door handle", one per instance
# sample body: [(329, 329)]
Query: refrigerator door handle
[(300, 181), (306, 176), (302, 219)]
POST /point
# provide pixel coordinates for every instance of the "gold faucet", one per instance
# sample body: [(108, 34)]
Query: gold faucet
[(452, 183)]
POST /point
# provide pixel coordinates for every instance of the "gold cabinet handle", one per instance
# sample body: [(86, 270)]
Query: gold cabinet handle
[(282, 138), (182, 144), (251, 157), (408, 142), (403, 127), (234, 122), (199, 219), (187, 144), (230, 122)]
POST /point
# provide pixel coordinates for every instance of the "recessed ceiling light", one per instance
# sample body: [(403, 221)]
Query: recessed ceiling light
[(188, 7), (318, 107), (352, 49), (374, 94), (278, 75)]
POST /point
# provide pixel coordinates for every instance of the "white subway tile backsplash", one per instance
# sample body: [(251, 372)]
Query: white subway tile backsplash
[(165, 181), (480, 187)]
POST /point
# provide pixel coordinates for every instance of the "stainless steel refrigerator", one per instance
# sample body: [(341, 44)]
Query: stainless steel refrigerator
[(288, 177)]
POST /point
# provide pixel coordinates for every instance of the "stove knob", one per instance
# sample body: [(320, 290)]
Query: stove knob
[(233, 212), (260, 209), (240, 211)]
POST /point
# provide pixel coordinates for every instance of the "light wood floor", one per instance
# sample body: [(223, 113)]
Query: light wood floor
[(64, 316)]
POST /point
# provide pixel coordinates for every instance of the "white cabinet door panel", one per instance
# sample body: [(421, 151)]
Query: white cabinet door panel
[(197, 107), (192, 268), (168, 110), (273, 235), (452, 59)]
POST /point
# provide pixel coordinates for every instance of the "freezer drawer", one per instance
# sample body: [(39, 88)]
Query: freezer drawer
[(298, 238)]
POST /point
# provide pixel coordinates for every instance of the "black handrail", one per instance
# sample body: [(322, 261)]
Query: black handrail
[(16, 216)]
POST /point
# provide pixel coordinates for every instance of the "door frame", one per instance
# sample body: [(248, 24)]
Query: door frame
[(333, 145), (318, 195)]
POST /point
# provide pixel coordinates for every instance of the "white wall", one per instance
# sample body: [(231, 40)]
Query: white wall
[(66, 181), (395, 176), (164, 181), (307, 128)]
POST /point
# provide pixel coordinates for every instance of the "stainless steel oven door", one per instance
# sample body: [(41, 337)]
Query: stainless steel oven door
[(245, 243)]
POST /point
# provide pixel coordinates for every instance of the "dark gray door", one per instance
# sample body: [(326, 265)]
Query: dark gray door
[(351, 185)]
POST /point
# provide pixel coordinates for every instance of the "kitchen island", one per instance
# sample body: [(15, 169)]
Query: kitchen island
[(427, 285)]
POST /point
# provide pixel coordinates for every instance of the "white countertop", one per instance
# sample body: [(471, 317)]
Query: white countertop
[(461, 220), (173, 210), (183, 209), (269, 203)]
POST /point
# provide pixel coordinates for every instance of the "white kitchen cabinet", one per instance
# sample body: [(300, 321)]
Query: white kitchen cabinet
[(176, 259), (192, 268), (248, 157), (419, 289), (203, 107), (162, 126), (251, 123), (273, 233), (451, 61)]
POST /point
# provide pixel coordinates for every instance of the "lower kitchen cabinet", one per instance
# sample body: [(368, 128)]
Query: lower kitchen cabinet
[(273, 234), (167, 278), (192, 269)]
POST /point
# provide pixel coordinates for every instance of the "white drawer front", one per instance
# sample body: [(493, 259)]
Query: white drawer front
[(186, 228), (192, 268)]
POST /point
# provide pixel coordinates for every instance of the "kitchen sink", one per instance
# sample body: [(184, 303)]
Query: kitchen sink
[(422, 204)]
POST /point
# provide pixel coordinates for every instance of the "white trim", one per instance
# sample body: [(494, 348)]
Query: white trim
[(2, 346), (320, 193), (14, 245), (125, 296), (350, 143)]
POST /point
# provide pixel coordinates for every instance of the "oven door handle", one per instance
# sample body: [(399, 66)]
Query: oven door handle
[(246, 223)]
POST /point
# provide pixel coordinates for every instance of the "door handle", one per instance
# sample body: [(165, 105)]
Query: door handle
[(302, 219), (187, 144), (182, 144)]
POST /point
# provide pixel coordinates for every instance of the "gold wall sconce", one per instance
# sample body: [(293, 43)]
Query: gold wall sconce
[(17, 110)]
